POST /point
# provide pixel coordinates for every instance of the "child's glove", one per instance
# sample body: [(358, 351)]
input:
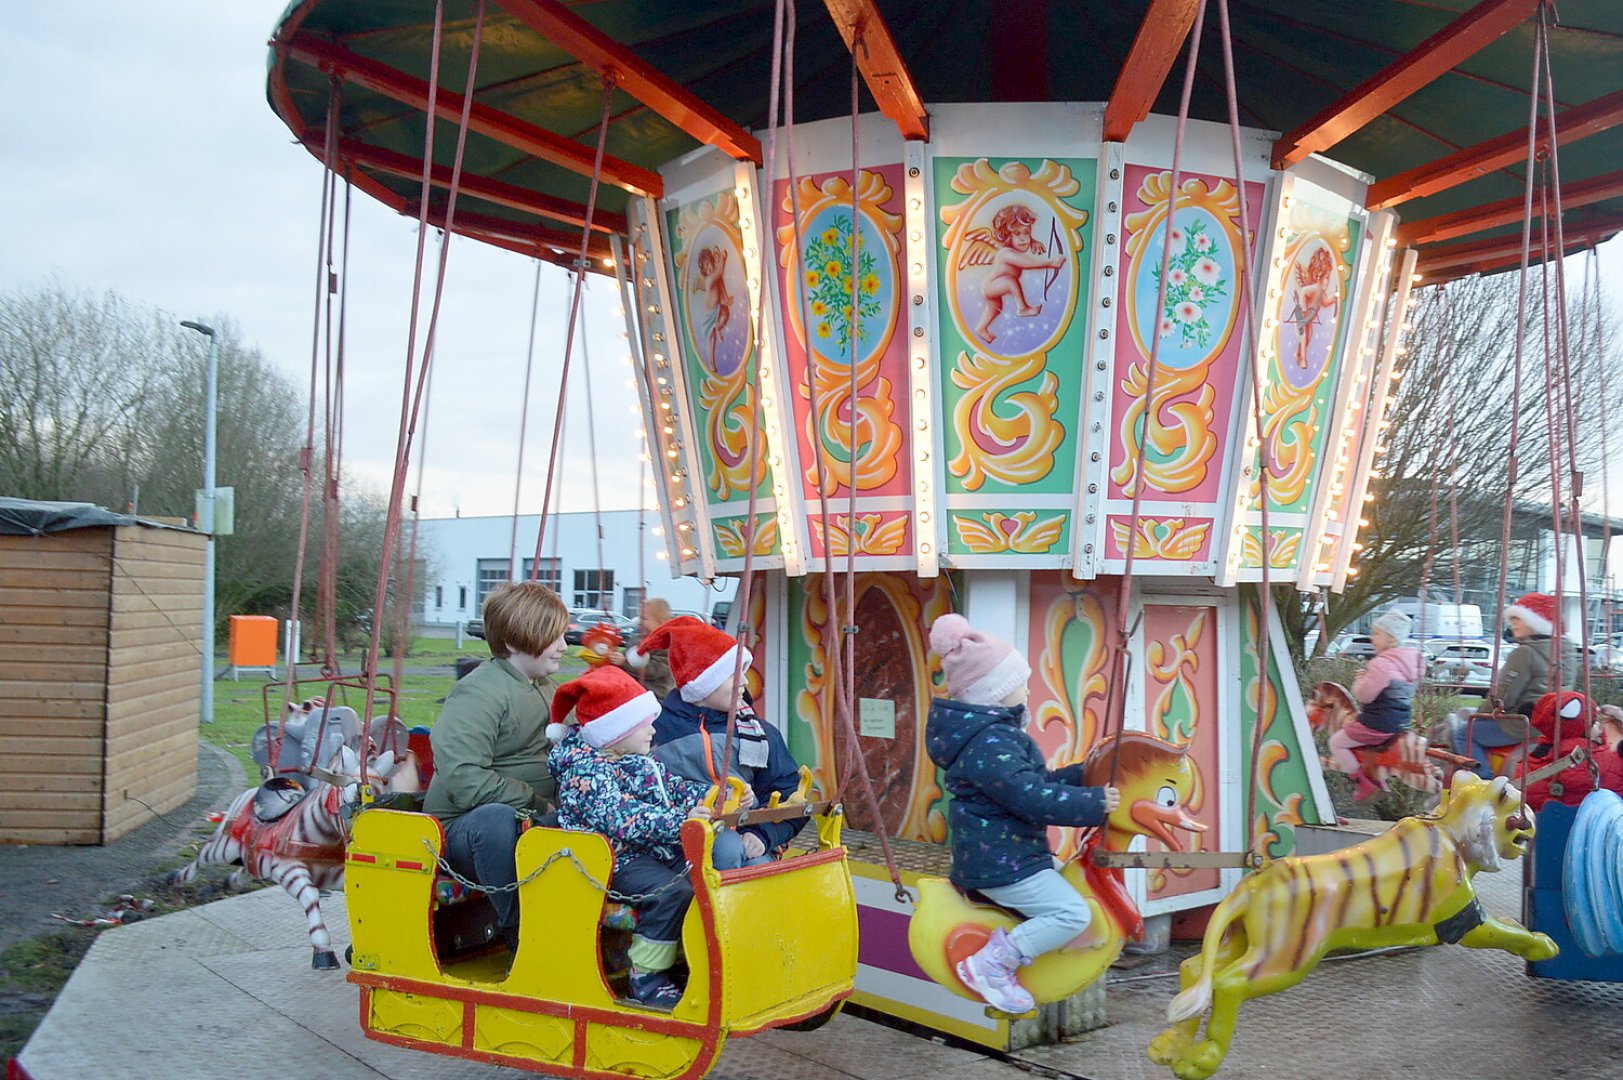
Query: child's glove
[(754, 846), (1112, 799), (699, 813)]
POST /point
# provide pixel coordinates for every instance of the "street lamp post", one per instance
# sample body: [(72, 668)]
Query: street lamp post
[(206, 520)]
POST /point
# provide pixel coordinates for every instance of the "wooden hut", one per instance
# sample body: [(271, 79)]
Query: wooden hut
[(100, 645)]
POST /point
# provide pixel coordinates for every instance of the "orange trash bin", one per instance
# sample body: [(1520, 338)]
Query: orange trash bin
[(252, 642)]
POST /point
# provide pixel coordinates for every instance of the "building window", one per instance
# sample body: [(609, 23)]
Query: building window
[(439, 597), (492, 572), (551, 575), (462, 598), (594, 589), (631, 602)]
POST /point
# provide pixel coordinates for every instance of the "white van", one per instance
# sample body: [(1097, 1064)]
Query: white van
[(1441, 620)]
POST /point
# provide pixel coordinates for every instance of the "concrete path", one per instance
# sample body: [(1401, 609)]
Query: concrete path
[(226, 990)]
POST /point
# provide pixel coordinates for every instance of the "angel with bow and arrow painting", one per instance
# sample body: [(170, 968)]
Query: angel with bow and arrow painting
[(1316, 294), (1009, 248)]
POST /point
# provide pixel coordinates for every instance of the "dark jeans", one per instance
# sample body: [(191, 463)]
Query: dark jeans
[(659, 918), (479, 845)]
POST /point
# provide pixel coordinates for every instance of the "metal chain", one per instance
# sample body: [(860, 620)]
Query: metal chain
[(634, 899)]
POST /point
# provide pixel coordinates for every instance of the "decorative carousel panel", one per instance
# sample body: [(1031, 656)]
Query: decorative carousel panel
[(670, 442), (1186, 435), (1069, 636), (895, 680), (1306, 325), (1013, 240), (710, 293), (1181, 698), (1289, 779), (1333, 509), (1387, 371), (841, 283), (760, 645)]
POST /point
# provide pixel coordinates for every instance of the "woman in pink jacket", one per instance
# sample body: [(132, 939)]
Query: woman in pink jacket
[(1386, 689)]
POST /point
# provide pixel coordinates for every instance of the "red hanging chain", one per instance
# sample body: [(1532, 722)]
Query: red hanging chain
[(1116, 691), (411, 401), (523, 428), (574, 312), (1248, 288)]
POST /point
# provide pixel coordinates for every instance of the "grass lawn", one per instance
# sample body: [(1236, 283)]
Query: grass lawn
[(239, 706)]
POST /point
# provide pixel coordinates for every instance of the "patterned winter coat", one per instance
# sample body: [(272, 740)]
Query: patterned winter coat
[(1004, 796), (1386, 688), (632, 799)]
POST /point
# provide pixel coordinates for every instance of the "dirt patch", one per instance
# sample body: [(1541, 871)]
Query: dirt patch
[(39, 952)]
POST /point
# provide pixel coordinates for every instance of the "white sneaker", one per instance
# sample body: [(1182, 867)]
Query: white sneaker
[(990, 972)]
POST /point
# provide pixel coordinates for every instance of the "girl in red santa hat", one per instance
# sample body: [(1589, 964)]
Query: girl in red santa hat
[(692, 730), (1565, 722), (607, 783), (1524, 678)]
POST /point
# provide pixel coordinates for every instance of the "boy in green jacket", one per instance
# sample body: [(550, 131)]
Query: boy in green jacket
[(490, 744)]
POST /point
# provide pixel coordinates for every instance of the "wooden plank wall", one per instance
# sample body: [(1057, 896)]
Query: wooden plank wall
[(53, 687), (154, 658)]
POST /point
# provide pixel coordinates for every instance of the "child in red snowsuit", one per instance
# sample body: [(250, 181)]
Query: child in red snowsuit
[(1564, 722)]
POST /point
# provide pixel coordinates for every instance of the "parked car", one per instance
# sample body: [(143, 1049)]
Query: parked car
[(1356, 647), (1466, 664), (719, 612), (583, 619), (474, 628)]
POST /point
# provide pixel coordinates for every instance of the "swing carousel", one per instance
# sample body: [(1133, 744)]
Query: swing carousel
[(949, 318)]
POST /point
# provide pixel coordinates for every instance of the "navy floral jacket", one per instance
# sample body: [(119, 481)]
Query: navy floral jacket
[(633, 799), (1004, 796)]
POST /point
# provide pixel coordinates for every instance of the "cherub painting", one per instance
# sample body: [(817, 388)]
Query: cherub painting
[(717, 302), (1009, 249), (1316, 294)]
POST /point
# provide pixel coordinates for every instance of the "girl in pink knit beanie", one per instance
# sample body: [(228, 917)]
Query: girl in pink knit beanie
[(1004, 797)]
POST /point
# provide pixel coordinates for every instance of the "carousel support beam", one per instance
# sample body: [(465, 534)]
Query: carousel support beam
[(531, 237), (881, 65), (1160, 39), (1502, 251), (511, 196), (1465, 165), (630, 73), (492, 123), (1416, 69), (1505, 212)]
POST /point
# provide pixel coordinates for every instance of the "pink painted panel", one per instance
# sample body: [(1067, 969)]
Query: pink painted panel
[(1068, 647), (1180, 706), (815, 279), (1198, 364)]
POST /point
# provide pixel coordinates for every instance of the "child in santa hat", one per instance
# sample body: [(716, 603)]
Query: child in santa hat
[(1004, 798), (691, 732), (1565, 722), (1524, 678), (608, 783)]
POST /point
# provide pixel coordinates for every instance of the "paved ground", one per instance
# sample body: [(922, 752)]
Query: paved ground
[(226, 989), (37, 880)]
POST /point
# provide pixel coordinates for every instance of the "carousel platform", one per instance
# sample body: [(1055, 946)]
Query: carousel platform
[(226, 989)]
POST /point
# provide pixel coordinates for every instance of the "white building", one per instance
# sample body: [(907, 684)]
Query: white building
[(467, 556)]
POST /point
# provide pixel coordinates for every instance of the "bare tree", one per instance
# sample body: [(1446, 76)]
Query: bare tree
[(98, 396), (1445, 469), (80, 376)]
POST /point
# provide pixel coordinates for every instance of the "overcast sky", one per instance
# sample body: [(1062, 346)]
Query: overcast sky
[(140, 155)]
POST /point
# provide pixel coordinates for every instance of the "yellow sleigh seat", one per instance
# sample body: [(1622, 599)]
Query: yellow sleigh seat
[(765, 946)]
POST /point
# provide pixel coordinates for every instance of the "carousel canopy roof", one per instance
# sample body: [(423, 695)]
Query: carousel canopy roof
[(1431, 97)]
